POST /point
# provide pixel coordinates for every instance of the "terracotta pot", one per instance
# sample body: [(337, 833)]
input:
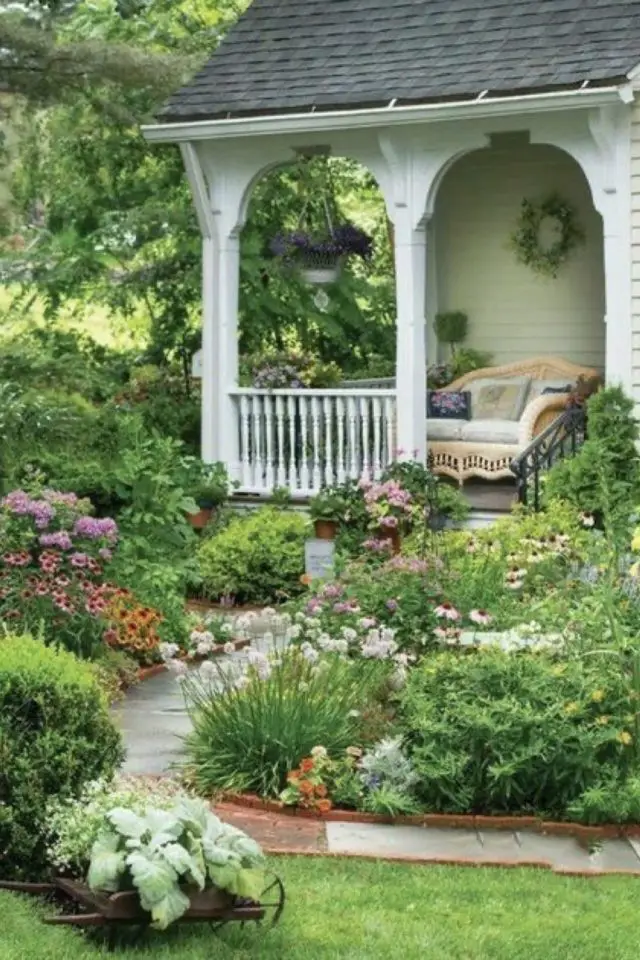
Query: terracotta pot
[(393, 536), (201, 518), (325, 529)]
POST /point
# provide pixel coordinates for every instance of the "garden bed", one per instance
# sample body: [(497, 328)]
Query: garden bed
[(579, 831)]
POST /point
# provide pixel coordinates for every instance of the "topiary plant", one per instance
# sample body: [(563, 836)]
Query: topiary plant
[(451, 327), (604, 475), (56, 735), (257, 558)]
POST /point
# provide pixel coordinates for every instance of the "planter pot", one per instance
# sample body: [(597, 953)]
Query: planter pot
[(325, 529), (201, 518), (393, 536), (320, 276)]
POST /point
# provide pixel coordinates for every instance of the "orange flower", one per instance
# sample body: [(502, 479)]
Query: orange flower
[(321, 790), (293, 775), (306, 579), (306, 788), (307, 765), (323, 806)]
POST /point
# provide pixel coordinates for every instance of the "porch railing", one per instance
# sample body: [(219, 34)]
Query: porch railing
[(560, 439), (308, 439)]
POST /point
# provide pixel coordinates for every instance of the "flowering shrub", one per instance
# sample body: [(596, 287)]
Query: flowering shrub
[(52, 564), (306, 787), (130, 627), (389, 505)]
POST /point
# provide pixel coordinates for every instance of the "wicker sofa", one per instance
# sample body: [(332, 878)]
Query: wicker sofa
[(484, 446)]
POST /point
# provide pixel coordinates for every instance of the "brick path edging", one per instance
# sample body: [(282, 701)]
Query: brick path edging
[(578, 831)]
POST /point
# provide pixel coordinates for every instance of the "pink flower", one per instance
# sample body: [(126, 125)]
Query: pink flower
[(389, 522), (447, 612), (480, 617), (79, 560)]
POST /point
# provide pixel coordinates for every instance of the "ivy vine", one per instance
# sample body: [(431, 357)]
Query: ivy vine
[(526, 238)]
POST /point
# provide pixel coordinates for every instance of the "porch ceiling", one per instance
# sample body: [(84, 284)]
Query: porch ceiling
[(296, 55)]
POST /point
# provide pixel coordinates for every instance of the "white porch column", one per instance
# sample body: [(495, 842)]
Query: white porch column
[(225, 371), (208, 382), (617, 280), (411, 360)]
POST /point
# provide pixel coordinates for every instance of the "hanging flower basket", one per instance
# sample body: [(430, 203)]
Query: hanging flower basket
[(319, 259)]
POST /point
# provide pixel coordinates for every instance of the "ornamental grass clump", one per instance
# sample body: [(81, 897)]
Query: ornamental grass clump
[(250, 728)]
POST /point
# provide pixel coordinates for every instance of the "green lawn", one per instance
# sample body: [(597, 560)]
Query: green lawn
[(376, 911)]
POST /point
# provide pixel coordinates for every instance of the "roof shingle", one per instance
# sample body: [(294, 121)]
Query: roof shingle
[(295, 55)]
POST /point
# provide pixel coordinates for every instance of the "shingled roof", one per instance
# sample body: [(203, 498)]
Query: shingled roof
[(296, 55)]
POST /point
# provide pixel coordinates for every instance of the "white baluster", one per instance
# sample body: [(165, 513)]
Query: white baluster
[(294, 478), (364, 416), (377, 438), (340, 422), (245, 418), (268, 429), (352, 452), (304, 440), (258, 460), (315, 433), (281, 467), (329, 471), (390, 424)]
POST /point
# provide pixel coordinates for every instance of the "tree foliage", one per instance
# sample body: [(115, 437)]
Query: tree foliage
[(109, 218)]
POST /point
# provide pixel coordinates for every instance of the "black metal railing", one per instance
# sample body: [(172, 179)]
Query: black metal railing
[(560, 439)]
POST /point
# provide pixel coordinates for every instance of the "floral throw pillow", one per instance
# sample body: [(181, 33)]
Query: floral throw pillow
[(449, 405)]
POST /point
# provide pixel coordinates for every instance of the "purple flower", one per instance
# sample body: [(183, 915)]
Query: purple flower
[(94, 528), (105, 553), (391, 605), (60, 539)]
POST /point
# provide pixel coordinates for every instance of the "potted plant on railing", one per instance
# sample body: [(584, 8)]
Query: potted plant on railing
[(210, 491), (318, 257)]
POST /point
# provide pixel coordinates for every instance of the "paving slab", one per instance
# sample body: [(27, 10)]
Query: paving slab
[(273, 833), (385, 840), (153, 721), (613, 855)]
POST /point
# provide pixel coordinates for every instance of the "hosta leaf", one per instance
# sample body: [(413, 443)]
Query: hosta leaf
[(249, 883), (169, 909), (184, 864), (224, 877), (218, 856), (126, 822), (196, 817), (153, 878), (107, 863), (163, 822)]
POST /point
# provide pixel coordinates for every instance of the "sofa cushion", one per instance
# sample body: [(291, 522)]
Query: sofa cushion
[(540, 388), (443, 429), (491, 431), (449, 404), (498, 398)]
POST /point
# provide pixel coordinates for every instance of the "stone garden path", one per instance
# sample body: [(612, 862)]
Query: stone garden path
[(153, 721)]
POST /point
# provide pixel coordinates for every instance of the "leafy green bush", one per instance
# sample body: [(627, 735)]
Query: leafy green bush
[(257, 558), (604, 475), (514, 733), (250, 730), (56, 735)]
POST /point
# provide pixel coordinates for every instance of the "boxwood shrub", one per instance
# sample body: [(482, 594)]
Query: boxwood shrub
[(257, 558), (55, 736)]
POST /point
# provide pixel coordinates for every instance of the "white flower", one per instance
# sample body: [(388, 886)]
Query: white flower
[(366, 623), (203, 648), (226, 627), (309, 653), (269, 612), (349, 634), (587, 519), (229, 647), (319, 752), (294, 632), (481, 617), (300, 617), (168, 650), (178, 667), (207, 668)]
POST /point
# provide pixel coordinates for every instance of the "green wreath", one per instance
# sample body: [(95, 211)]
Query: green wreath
[(526, 239)]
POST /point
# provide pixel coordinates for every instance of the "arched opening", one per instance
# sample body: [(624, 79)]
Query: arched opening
[(346, 330), (513, 312)]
